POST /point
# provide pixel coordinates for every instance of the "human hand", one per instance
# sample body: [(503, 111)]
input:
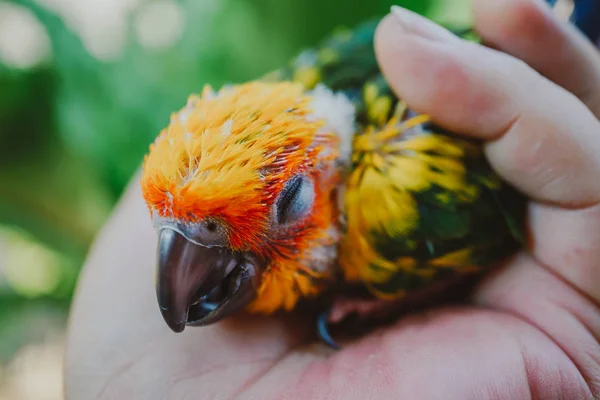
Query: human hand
[(531, 330)]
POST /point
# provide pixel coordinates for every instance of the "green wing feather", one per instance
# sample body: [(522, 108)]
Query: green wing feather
[(421, 203)]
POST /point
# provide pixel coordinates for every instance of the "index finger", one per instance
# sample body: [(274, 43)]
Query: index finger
[(539, 137), (528, 29)]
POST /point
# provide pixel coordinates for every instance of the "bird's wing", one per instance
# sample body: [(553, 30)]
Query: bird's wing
[(420, 203)]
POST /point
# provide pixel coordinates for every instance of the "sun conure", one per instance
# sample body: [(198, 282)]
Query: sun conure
[(313, 178)]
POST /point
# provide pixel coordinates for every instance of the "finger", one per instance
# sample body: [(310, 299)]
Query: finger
[(540, 137), (526, 289), (413, 23), (528, 29), (568, 242)]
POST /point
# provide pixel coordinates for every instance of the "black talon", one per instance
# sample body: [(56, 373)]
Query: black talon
[(323, 331)]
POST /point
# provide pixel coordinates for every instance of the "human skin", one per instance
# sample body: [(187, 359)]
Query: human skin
[(529, 331)]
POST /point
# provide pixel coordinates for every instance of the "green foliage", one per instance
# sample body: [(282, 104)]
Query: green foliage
[(109, 112), (74, 129)]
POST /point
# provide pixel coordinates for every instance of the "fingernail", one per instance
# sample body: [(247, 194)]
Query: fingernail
[(413, 23)]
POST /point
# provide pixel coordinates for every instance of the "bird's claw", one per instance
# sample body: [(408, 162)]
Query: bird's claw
[(323, 330)]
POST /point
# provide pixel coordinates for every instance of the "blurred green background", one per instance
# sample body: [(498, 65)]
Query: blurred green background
[(85, 85)]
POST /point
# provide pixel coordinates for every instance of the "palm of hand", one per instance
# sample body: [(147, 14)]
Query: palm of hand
[(470, 352)]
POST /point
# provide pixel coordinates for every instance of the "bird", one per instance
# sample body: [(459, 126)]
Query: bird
[(316, 184)]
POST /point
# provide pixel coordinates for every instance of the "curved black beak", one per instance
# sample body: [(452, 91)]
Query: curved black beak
[(199, 285)]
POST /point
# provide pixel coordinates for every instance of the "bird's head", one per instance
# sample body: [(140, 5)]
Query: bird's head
[(242, 188)]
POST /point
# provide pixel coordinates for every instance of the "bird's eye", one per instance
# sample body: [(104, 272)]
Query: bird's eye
[(207, 232), (296, 199)]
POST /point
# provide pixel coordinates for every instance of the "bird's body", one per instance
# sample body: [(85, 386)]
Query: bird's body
[(313, 178)]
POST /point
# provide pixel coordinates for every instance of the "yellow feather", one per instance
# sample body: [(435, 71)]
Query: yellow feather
[(369, 93), (390, 168), (308, 76), (380, 109), (215, 147)]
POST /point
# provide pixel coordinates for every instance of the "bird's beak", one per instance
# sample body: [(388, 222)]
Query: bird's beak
[(199, 285)]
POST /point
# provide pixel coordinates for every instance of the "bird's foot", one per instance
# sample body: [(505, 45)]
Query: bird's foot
[(351, 316)]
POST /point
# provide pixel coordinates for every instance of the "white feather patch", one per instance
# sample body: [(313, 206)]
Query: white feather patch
[(339, 114), (322, 256)]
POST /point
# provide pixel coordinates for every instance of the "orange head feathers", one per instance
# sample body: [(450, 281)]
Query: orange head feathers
[(253, 171)]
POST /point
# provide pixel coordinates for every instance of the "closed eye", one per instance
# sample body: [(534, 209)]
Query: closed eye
[(296, 200)]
